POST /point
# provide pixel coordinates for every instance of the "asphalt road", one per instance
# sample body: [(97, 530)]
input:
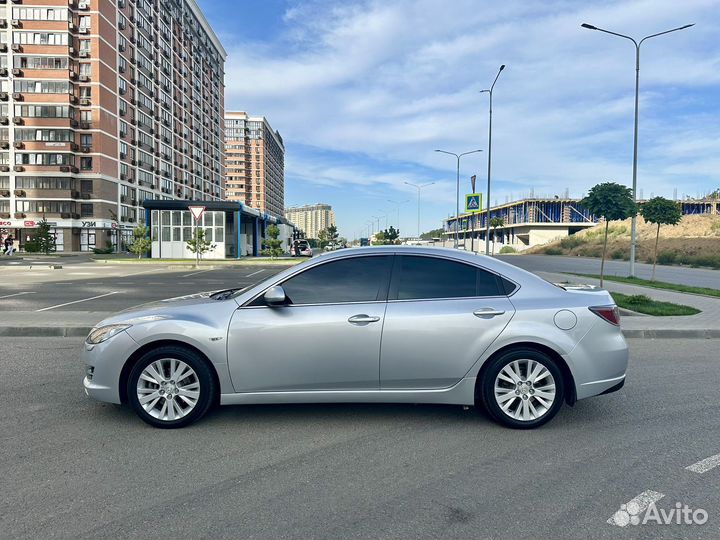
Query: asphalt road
[(77, 468), (700, 277), (95, 287)]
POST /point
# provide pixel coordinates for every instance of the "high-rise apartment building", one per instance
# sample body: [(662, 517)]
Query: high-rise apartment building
[(255, 163), (311, 219), (104, 104)]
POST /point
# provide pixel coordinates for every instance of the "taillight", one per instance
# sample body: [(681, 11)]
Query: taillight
[(610, 313)]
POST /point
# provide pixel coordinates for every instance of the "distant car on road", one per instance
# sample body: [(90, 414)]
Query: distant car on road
[(382, 324), (302, 248)]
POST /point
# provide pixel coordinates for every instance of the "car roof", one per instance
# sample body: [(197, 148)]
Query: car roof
[(491, 263)]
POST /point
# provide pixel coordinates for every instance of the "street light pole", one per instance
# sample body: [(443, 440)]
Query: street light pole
[(419, 187), (633, 223), (489, 161), (397, 208), (457, 190)]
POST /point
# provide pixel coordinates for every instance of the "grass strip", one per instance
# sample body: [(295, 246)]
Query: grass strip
[(643, 304)]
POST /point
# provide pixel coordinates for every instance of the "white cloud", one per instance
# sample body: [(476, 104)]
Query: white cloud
[(395, 79)]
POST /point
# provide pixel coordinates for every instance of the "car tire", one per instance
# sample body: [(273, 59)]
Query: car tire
[(522, 388), (171, 387)]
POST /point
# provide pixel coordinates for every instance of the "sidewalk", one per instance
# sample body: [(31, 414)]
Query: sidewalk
[(703, 325)]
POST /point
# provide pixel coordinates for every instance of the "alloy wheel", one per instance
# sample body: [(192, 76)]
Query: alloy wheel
[(168, 389), (525, 390)]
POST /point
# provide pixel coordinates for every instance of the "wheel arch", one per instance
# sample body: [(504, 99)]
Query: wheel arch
[(136, 355), (568, 380)]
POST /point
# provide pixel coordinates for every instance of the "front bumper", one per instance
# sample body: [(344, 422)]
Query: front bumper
[(107, 360)]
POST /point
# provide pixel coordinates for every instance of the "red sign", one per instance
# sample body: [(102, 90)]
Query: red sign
[(29, 224), (197, 211)]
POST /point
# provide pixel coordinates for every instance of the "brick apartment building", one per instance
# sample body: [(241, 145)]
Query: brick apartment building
[(104, 104), (255, 163)]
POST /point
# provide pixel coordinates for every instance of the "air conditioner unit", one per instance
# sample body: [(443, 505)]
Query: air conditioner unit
[(3, 48), (84, 101), (18, 168), (73, 99), (17, 96), (84, 54), (17, 72), (64, 168), (3, 96), (83, 5), (4, 168), (73, 147), (73, 74), (16, 23), (84, 78), (86, 149), (123, 155), (18, 144), (84, 125), (83, 29), (17, 120), (4, 145), (16, 47)]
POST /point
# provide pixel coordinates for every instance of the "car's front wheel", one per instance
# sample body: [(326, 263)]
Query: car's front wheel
[(522, 388), (170, 387)]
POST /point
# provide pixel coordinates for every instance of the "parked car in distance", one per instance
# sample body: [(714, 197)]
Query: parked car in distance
[(383, 324), (301, 248)]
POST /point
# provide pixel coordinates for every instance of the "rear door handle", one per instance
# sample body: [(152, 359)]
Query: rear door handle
[(488, 312), (363, 319)]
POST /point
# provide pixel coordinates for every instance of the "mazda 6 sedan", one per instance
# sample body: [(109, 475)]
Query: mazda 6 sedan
[(381, 324)]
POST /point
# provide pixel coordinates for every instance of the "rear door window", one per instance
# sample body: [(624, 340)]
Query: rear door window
[(419, 278)]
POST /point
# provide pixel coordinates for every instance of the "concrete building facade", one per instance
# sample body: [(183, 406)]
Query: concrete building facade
[(255, 163), (104, 104), (311, 219)]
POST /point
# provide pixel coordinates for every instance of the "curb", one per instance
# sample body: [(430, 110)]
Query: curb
[(674, 333), (82, 331), (44, 331)]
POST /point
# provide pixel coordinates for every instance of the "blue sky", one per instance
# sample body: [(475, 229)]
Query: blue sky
[(364, 91)]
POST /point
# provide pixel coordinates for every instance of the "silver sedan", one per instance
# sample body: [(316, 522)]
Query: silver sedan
[(386, 324)]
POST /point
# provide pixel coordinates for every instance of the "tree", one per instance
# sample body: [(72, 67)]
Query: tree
[(271, 243), (610, 201), (495, 223), (141, 241), (199, 244), (660, 211), (435, 233), (332, 235), (322, 239), (44, 239)]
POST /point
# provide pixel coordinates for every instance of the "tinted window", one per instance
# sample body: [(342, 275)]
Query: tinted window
[(360, 279), (429, 277)]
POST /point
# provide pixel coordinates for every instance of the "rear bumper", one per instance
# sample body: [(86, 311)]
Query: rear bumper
[(599, 361)]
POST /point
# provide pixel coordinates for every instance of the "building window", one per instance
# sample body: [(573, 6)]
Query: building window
[(86, 163), (86, 210)]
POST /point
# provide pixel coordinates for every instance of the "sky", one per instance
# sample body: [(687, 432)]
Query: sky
[(364, 91)]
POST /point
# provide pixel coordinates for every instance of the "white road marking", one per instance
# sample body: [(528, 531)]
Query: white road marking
[(16, 294), (637, 505), (705, 465), (198, 272), (144, 272), (254, 273), (78, 301)]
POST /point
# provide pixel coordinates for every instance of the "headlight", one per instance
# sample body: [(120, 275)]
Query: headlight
[(98, 335)]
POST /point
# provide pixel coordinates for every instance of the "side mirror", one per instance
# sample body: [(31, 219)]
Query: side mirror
[(275, 295)]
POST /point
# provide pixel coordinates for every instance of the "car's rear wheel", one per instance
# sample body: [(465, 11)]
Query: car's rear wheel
[(522, 388), (170, 387)]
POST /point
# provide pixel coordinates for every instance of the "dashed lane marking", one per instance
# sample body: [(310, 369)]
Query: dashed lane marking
[(705, 465), (17, 294)]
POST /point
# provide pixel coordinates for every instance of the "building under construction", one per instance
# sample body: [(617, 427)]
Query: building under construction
[(530, 222)]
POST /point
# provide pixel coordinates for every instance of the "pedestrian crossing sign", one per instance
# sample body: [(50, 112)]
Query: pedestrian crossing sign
[(473, 202)]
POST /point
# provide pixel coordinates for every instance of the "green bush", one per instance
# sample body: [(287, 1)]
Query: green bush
[(554, 251), (667, 257), (103, 251), (617, 254), (31, 246), (507, 249), (571, 242)]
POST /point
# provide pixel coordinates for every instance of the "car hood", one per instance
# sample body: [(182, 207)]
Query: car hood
[(190, 307)]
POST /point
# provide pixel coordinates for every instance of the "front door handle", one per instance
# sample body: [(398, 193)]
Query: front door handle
[(488, 312), (363, 319)]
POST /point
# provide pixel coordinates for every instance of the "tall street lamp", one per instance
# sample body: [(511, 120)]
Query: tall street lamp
[(419, 187), (633, 226), (457, 190), (383, 215), (397, 208), (487, 204)]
